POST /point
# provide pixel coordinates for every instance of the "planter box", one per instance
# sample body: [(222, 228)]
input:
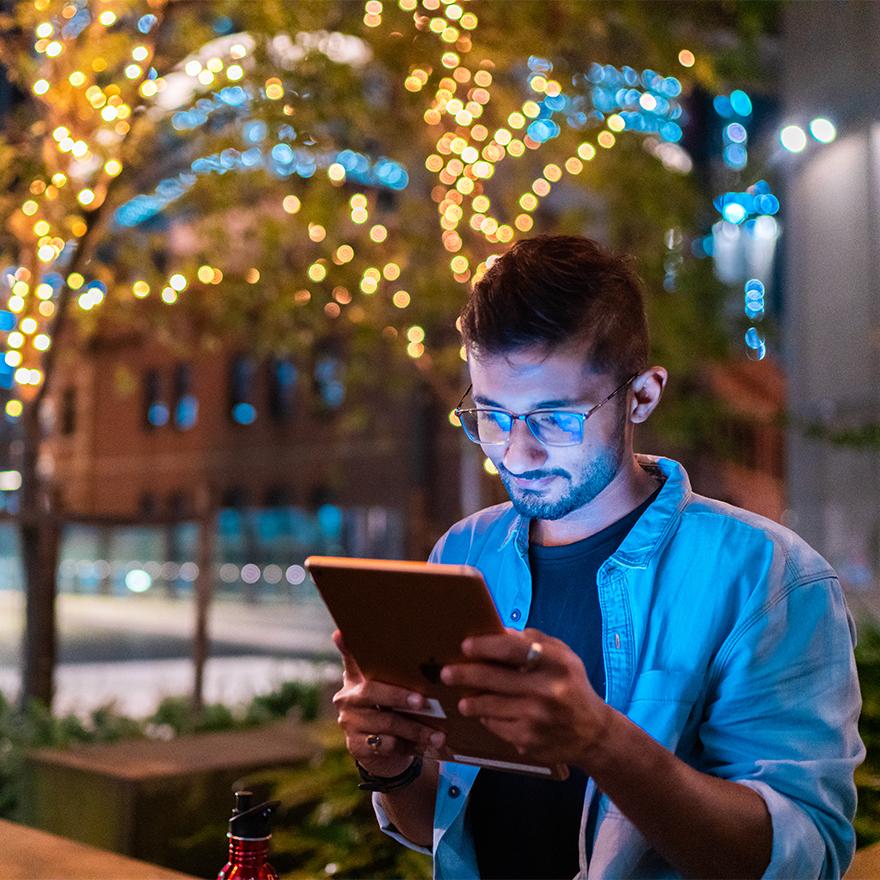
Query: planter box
[(164, 802)]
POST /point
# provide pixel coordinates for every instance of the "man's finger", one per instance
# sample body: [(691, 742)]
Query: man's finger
[(350, 667), (495, 706), (510, 648), (484, 677), (372, 721)]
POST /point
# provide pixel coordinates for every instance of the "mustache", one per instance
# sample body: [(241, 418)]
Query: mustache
[(534, 475)]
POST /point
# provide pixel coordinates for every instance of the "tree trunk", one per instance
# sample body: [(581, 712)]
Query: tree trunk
[(40, 533), (203, 593)]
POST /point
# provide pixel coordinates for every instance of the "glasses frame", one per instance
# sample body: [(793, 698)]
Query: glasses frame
[(526, 417)]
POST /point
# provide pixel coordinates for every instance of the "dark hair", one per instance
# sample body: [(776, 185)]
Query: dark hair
[(555, 290)]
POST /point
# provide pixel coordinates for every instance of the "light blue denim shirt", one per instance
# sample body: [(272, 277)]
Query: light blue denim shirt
[(727, 639)]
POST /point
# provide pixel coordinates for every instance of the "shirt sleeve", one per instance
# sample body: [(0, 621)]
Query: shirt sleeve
[(782, 720)]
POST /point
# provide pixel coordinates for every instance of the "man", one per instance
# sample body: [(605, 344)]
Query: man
[(691, 663)]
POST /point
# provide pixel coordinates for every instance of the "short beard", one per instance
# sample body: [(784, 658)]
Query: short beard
[(593, 480)]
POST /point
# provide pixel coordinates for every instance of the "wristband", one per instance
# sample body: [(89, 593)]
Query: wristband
[(369, 782)]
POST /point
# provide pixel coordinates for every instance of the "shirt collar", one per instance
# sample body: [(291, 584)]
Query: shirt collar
[(652, 530)]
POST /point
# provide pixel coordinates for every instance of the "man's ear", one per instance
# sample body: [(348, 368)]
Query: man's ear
[(647, 389)]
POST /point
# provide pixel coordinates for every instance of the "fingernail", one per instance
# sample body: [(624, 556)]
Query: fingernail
[(466, 646), (446, 674), (414, 700), (437, 739), (463, 706)]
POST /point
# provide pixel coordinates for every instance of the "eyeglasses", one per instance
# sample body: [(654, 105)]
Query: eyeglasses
[(490, 426)]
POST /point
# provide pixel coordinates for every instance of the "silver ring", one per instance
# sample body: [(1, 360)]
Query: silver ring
[(374, 741), (533, 656)]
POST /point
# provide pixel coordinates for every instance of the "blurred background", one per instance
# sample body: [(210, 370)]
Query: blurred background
[(235, 240)]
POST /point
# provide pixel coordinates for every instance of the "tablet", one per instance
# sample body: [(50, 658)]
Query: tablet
[(402, 622)]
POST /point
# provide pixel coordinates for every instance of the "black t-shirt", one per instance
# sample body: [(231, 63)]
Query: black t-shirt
[(524, 826)]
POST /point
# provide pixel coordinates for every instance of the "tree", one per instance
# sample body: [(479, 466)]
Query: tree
[(334, 171)]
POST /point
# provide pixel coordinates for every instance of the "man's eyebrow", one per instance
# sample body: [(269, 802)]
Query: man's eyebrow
[(544, 404)]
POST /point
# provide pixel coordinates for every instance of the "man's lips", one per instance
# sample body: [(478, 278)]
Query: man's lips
[(525, 482)]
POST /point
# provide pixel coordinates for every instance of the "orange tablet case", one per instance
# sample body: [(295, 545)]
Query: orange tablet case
[(402, 622)]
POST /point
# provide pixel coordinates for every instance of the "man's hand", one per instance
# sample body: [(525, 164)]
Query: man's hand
[(366, 713), (548, 710)]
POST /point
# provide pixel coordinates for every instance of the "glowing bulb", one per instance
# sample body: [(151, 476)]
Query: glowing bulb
[(140, 53), (107, 18), (85, 197), (75, 281), (291, 204), (234, 72), (14, 408), (113, 167), (793, 138), (141, 289), (686, 58), (169, 295), (41, 86), (42, 342), (823, 130)]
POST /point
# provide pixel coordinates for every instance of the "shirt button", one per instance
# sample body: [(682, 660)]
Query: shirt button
[(515, 615), (454, 791), (617, 640)]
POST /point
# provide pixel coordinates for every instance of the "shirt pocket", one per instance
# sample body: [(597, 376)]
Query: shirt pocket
[(663, 701)]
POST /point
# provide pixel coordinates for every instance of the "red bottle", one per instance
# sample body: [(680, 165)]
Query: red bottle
[(249, 835)]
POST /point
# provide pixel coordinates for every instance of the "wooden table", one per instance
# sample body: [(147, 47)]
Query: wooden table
[(28, 854)]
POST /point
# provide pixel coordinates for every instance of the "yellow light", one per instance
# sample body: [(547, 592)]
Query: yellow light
[(462, 353), (686, 58), (274, 89), (218, 277), (193, 67), (616, 122), (148, 88), (59, 178), (469, 155), (15, 339), (342, 295), (415, 350), (205, 274), (586, 151), (80, 148), (573, 165), (317, 272), (29, 208), (489, 468), (85, 197), (301, 297), (468, 21), (140, 289), (378, 233), (481, 204), (109, 113), (113, 167), (368, 285), (14, 408), (538, 83), (15, 304), (344, 254), (133, 71), (483, 170), (75, 281), (336, 173), (358, 200), (516, 147), (77, 78), (28, 326), (234, 72), (401, 299), (46, 253), (44, 291), (291, 204), (553, 173), (42, 342), (44, 29), (253, 275), (107, 18), (41, 86), (391, 272), (140, 53), (317, 232), (215, 64), (359, 215), (205, 77), (528, 202), (516, 120), (54, 49), (606, 139), (41, 227), (450, 60), (46, 309), (523, 222), (169, 295), (531, 109), (415, 334), (505, 233), (453, 419), (459, 265), (178, 282), (13, 358)]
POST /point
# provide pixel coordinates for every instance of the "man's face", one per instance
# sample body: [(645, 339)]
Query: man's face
[(550, 482)]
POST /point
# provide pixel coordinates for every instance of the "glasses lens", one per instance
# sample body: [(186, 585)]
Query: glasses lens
[(556, 428), (485, 425)]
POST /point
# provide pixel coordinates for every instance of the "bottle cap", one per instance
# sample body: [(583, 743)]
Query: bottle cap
[(251, 822)]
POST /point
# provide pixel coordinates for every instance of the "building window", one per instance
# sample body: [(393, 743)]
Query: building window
[(328, 382), (68, 412), (282, 389), (155, 407), (186, 406), (241, 391)]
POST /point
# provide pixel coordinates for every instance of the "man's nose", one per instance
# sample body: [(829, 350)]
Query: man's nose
[(523, 450)]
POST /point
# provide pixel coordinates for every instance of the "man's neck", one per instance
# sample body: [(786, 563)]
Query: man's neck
[(630, 487)]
